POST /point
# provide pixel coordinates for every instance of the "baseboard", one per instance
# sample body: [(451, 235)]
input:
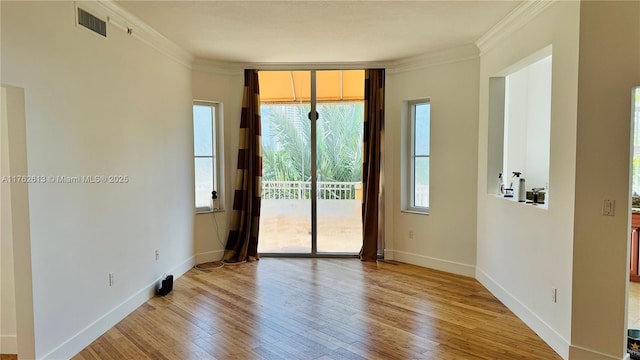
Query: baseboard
[(209, 256), (546, 332), (431, 262), (578, 352), (8, 344), (86, 336)]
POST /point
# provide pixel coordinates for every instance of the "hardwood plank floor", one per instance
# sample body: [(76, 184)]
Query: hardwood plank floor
[(279, 308)]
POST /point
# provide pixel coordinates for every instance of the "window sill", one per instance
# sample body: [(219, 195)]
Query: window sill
[(544, 206), (210, 211), (417, 212)]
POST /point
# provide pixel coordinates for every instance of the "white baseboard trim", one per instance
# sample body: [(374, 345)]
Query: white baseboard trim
[(86, 336), (578, 352), (431, 262), (209, 256), (8, 344), (546, 332)]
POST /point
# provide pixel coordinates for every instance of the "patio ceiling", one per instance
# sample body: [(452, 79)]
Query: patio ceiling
[(295, 86)]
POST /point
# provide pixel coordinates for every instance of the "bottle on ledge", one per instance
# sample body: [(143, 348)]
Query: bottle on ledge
[(519, 188)]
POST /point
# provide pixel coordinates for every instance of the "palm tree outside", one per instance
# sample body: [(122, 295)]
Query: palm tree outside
[(286, 144)]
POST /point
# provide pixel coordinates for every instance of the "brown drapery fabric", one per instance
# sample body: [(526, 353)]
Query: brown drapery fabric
[(372, 200), (242, 243)]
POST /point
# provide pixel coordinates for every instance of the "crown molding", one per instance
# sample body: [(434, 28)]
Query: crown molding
[(125, 21), (434, 58), (217, 66), (516, 19), (357, 65), (235, 68)]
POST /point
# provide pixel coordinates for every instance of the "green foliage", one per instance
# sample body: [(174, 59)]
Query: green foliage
[(339, 143)]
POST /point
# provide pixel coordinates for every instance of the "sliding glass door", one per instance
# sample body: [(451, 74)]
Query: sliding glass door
[(312, 124)]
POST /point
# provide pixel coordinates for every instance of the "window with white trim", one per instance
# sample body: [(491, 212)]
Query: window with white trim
[(419, 155), (205, 153)]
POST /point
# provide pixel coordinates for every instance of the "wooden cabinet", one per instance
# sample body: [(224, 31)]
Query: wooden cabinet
[(634, 268)]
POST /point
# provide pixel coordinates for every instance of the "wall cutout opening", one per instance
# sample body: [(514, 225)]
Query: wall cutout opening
[(519, 130)]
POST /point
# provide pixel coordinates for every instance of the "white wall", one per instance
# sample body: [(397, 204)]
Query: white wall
[(226, 87), (14, 209), (608, 70), (515, 125), (444, 239), (527, 123), (8, 342), (97, 106), (538, 124), (522, 251), (8, 332)]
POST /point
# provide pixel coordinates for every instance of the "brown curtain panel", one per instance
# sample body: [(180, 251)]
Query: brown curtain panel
[(372, 200), (242, 243)]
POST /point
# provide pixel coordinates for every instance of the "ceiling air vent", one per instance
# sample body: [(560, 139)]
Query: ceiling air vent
[(92, 23)]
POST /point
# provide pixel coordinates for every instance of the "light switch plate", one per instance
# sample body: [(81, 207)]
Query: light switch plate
[(609, 207)]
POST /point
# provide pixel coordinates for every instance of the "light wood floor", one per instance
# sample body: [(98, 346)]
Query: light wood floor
[(321, 309)]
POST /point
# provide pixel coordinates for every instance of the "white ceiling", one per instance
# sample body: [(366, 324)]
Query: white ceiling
[(318, 31)]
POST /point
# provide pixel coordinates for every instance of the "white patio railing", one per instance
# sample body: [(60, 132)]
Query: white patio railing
[(301, 190)]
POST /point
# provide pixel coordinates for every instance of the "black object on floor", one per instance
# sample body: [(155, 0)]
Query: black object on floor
[(167, 285)]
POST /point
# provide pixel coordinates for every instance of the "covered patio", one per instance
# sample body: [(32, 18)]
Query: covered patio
[(285, 220)]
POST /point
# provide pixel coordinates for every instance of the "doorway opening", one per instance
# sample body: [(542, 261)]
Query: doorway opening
[(312, 128)]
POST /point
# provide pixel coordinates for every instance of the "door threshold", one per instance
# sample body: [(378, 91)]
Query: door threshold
[(318, 255)]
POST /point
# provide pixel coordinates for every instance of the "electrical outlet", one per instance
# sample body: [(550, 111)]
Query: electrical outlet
[(112, 279), (157, 255), (410, 234), (554, 294)]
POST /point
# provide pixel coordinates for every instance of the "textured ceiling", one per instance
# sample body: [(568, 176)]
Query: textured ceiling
[(318, 31)]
